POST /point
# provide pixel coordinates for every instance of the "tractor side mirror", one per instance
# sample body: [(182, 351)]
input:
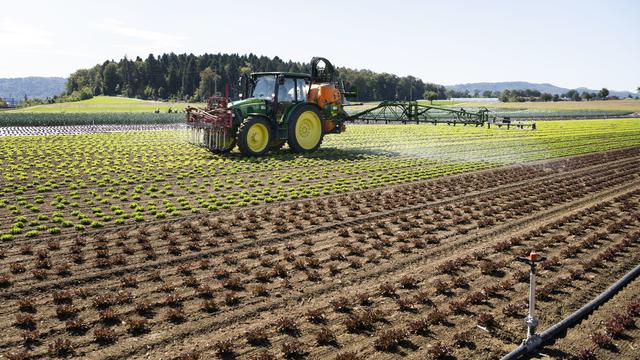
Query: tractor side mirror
[(280, 80), (243, 85)]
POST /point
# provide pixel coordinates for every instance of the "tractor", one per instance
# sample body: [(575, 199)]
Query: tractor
[(300, 109), (281, 107)]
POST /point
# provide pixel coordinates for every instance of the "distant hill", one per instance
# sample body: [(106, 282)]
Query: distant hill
[(522, 85), (33, 87)]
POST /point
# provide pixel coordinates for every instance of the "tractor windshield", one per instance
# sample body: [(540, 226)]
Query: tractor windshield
[(264, 87)]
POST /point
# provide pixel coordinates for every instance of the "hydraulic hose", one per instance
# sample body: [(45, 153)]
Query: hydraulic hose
[(535, 342)]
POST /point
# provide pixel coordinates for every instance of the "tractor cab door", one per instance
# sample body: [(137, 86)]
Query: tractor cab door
[(285, 96)]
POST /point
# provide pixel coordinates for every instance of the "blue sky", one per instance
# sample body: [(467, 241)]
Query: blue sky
[(566, 43)]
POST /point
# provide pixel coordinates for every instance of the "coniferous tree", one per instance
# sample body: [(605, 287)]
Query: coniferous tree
[(178, 76)]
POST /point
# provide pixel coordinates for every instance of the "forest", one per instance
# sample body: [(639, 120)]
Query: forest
[(195, 77)]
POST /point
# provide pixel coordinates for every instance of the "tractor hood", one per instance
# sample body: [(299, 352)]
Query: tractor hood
[(250, 106)]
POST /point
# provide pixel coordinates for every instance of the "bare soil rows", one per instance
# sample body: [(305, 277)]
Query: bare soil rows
[(420, 270), (610, 332)]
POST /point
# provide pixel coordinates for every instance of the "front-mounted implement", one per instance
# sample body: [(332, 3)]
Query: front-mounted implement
[(300, 109), (211, 127)]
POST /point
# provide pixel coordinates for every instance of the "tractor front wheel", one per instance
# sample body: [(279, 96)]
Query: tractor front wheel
[(254, 136), (305, 130)]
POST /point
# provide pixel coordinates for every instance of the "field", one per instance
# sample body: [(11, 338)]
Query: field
[(389, 242), (627, 105), (106, 104), (106, 110)]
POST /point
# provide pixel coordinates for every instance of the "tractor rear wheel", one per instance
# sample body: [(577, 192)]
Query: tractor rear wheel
[(254, 136), (305, 129)]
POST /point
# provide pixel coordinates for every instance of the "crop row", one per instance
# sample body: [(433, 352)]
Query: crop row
[(315, 213), (68, 119), (368, 323), (55, 184), (82, 129), (174, 284)]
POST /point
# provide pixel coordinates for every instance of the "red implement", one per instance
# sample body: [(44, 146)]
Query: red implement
[(215, 115)]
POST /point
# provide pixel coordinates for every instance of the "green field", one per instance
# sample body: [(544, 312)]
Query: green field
[(139, 176), (119, 110), (120, 230), (627, 105), (19, 119), (107, 104)]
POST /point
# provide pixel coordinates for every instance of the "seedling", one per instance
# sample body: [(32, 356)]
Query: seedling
[(389, 340), (176, 315), (326, 337), (25, 321), (224, 348), (419, 327), (104, 335), (257, 337), (76, 326), (293, 349), (137, 326), (61, 348), (315, 316), (440, 351), (341, 304), (602, 340), (287, 325)]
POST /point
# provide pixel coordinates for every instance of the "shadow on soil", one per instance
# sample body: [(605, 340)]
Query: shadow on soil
[(325, 153)]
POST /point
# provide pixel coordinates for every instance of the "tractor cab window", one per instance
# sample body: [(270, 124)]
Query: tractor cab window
[(286, 90), (264, 87), (301, 87)]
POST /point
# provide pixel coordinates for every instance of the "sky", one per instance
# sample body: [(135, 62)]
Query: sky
[(563, 42)]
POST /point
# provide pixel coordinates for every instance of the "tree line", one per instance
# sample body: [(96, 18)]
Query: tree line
[(533, 95), (190, 77)]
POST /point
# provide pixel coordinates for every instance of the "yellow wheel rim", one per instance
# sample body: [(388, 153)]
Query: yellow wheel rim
[(257, 137), (308, 130)]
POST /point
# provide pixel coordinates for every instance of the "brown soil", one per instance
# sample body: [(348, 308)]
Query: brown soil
[(399, 272), (626, 345)]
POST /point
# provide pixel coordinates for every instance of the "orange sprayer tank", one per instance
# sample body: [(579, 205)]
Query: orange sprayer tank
[(324, 94)]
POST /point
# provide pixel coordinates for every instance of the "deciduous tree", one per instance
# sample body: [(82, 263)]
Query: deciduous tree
[(431, 95), (208, 83), (603, 93)]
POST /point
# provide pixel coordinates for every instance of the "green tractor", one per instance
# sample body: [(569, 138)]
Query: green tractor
[(283, 107)]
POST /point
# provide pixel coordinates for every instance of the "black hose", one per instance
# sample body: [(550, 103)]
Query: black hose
[(572, 319)]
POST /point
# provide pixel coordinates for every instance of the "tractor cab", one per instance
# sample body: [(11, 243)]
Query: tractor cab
[(278, 90), (285, 87)]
